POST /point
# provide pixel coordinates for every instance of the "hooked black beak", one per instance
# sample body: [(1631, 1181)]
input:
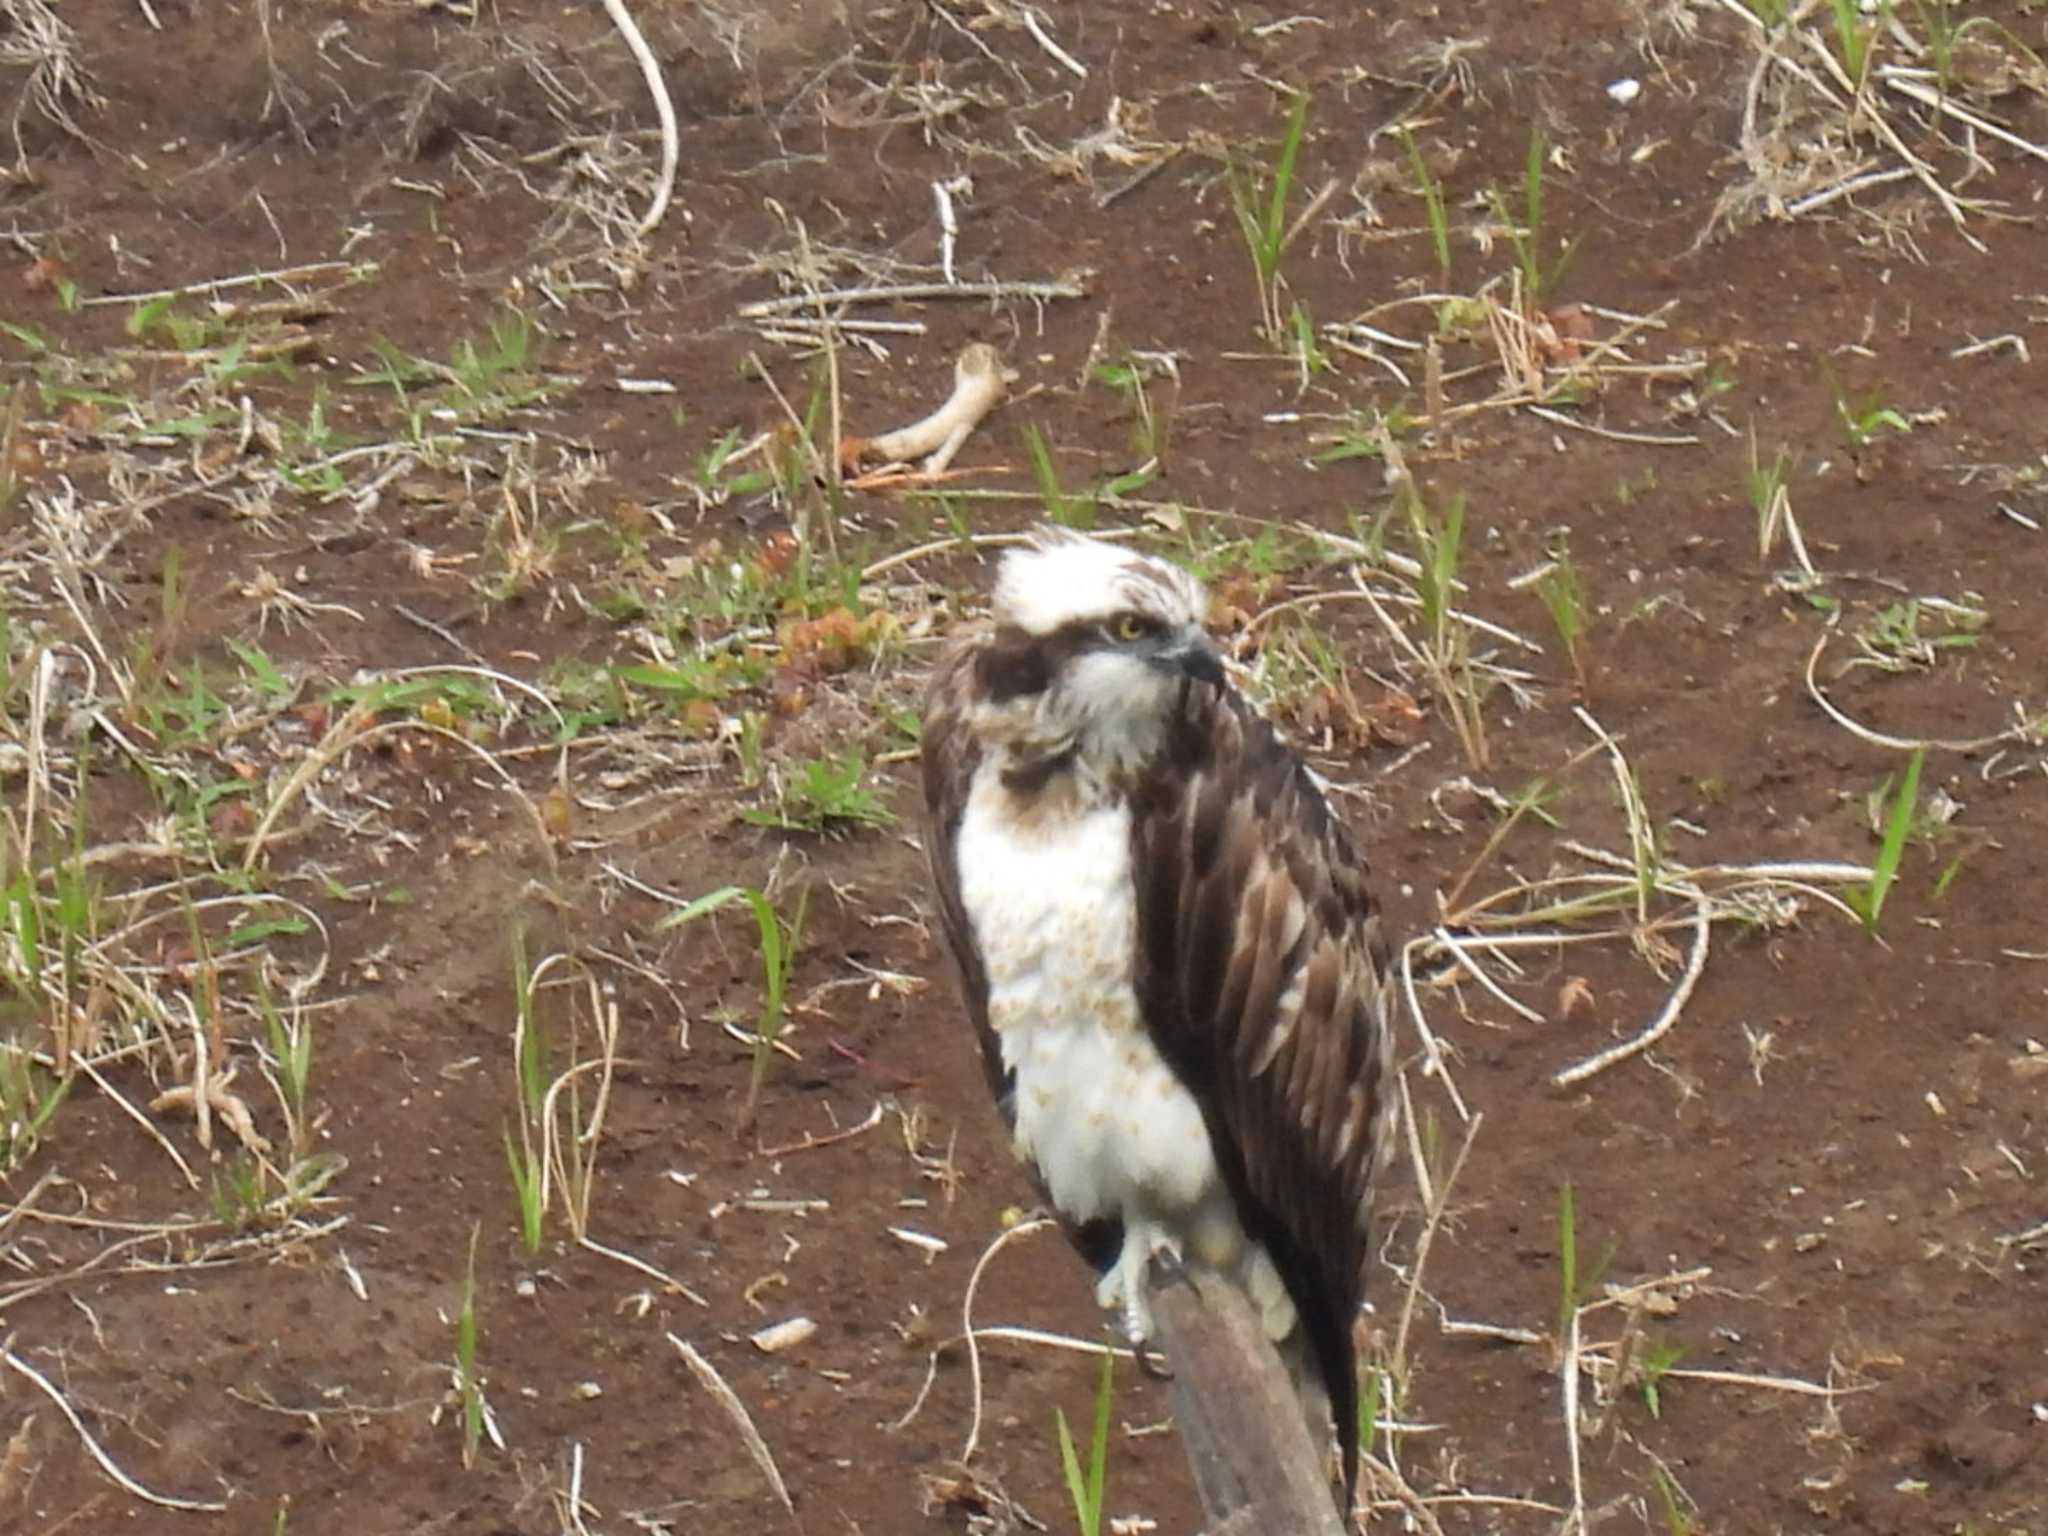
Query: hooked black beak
[(1200, 660)]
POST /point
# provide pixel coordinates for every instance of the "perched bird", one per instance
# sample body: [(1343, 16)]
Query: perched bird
[(1168, 949)]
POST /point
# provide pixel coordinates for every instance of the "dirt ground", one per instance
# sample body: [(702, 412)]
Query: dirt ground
[(419, 583)]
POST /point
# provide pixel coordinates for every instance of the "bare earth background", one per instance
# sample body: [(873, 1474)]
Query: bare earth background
[(414, 591)]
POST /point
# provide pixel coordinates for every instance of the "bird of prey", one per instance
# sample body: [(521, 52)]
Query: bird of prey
[(1168, 948)]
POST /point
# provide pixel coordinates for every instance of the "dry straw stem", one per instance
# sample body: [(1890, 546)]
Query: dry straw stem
[(93, 1447), (980, 381), (1660, 1026), (2024, 731), (238, 280), (707, 1375), (1434, 1062), (1022, 1229), (1913, 85), (1438, 1202), (650, 70), (1872, 114), (885, 293), (620, 1256), (1000, 1333), (352, 730)]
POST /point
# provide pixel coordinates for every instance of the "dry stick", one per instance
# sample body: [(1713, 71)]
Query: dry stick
[(812, 1142), (1614, 434), (727, 1399), (832, 322), (1792, 1384), (1575, 1522), (1423, 1184), (1951, 204), (650, 70), (1434, 1063), (1417, 1508), (1703, 924), (140, 1119), (1914, 89), (1642, 844), (620, 1256), (1055, 289), (1859, 182), (1255, 1465), (45, 664), (22, 1290), (106, 1462), (243, 280), (1455, 948), (1037, 30)]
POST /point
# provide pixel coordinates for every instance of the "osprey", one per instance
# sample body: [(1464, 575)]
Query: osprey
[(1167, 947)]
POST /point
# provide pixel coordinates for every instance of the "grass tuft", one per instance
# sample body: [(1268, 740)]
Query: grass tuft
[(1088, 1487), (779, 938), (1868, 901)]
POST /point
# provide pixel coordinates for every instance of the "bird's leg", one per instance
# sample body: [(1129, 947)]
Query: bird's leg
[(1123, 1286)]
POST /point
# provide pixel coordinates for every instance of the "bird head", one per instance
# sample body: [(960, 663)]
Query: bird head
[(1095, 648)]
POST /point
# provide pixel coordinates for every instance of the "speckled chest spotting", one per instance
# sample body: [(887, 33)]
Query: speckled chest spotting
[(1111, 1130)]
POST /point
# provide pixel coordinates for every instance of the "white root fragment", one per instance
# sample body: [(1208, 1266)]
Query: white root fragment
[(664, 110), (777, 1337), (216, 1100), (93, 1447), (931, 1247), (980, 381), (1703, 922)]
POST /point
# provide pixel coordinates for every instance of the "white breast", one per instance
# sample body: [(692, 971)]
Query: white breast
[(1112, 1131)]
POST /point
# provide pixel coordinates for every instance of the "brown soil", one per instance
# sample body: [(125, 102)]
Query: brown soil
[(1844, 1134)]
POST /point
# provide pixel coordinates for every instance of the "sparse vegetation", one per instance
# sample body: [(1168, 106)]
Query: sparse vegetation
[(778, 938), (1525, 229), (1565, 601), (1261, 202), (1446, 642)]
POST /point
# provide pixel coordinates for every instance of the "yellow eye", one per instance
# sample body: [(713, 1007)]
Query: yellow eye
[(1129, 626)]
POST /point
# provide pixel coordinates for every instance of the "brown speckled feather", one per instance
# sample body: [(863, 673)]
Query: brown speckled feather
[(1250, 894)]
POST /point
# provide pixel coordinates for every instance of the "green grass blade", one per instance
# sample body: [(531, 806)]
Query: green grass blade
[(711, 901), (1567, 1258), (465, 1358), (1098, 1451), (1273, 235), (1884, 873), (1070, 1462)]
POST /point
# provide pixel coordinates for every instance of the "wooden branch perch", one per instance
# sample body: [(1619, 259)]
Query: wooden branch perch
[(1256, 1468)]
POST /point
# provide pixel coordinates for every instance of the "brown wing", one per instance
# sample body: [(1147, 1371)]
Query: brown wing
[(1261, 979)]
